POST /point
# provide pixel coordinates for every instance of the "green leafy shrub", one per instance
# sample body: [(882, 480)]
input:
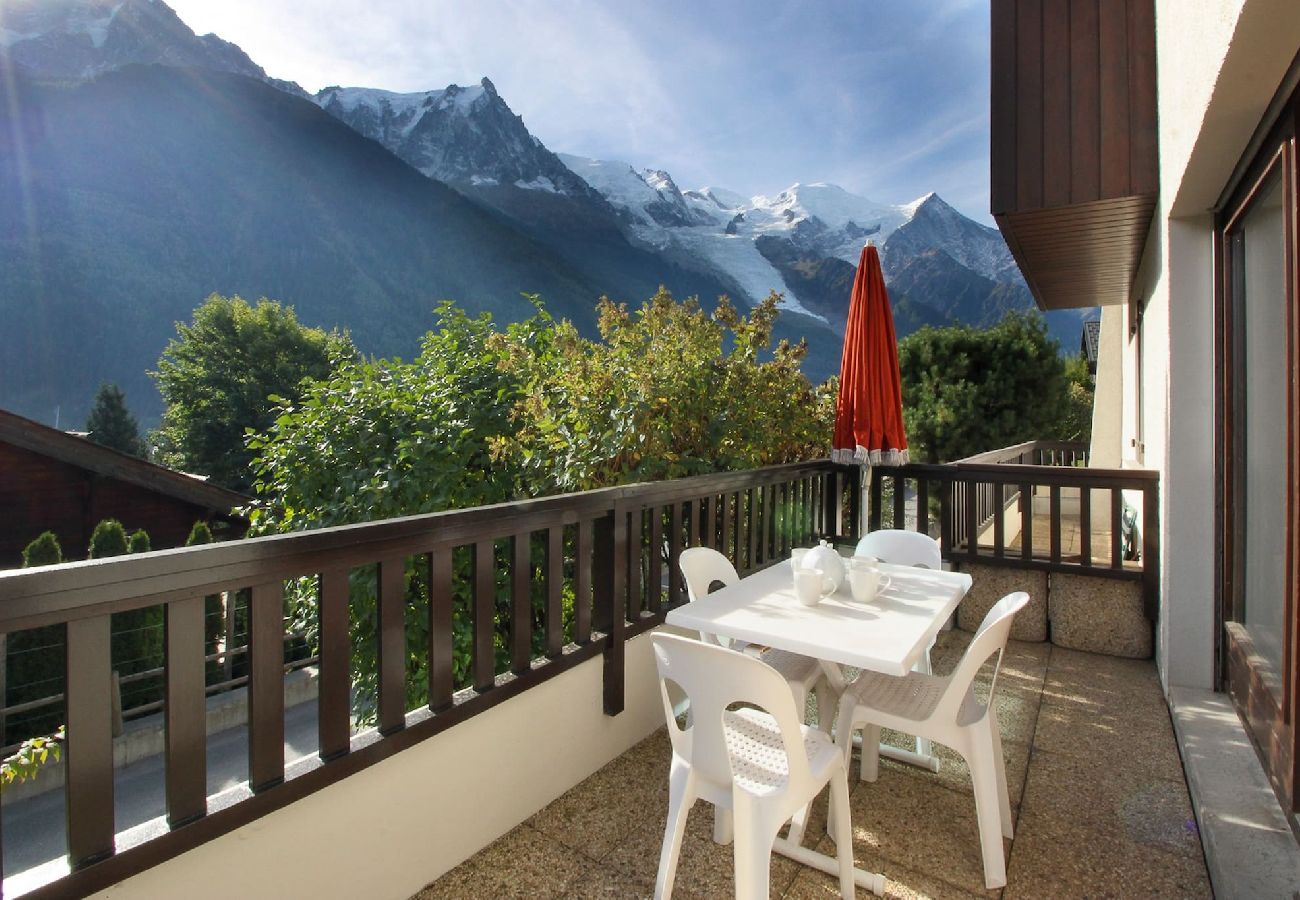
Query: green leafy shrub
[(44, 551), (31, 755), (137, 636), (199, 534), (486, 415), (138, 542), (107, 540), (35, 659)]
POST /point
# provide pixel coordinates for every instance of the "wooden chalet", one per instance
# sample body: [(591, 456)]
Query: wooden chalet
[(54, 481)]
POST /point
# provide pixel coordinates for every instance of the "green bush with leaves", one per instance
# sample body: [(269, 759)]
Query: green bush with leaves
[(486, 415), (43, 551), (218, 377), (137, 638), (108, 539), (667, 391), (1075, 422), (138, 542), (201, 533), (35, 658), (31, 755), (967, 390)]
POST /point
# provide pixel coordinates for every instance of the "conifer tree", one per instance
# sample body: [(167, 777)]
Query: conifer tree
[(138, 542), (44, 551), (111, 424), (108, 539)]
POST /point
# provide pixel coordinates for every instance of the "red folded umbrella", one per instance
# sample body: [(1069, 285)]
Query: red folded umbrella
[(869, 411)]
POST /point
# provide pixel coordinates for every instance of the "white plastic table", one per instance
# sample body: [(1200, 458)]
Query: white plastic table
[(890, 634)]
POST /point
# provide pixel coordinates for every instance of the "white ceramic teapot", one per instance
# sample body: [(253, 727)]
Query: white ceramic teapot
[(827, 560)]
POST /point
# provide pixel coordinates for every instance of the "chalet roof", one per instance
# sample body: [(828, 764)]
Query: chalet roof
[(1089, 340), (85, 454)]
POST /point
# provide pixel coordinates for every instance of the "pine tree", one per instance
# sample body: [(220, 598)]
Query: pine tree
[(138, 542), (44, 551), (111, 423), (108, 539)]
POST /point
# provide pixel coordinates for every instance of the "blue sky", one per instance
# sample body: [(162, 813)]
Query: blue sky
[(887, 99)]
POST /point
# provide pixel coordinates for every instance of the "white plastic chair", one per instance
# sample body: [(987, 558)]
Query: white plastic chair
[(899, 547), (948, 711), (701, 567), (763, 765), (902, 548)]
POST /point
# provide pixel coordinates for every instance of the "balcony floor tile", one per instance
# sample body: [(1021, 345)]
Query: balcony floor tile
[(1097, 791)]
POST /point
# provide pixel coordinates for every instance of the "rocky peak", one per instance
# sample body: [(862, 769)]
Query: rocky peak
[(81, 39)]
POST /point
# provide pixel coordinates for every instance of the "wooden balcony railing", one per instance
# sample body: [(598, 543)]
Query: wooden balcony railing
[(541, 585), (507, 569), (982, 499)]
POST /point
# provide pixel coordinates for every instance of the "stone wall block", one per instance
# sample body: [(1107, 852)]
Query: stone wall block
[(990, 584), (1099, 615)]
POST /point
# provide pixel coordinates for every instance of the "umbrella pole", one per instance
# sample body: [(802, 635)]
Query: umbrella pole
[(864, 499)]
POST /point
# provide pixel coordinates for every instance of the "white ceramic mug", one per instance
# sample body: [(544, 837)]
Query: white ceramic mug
[(808, 585), (864, 581)]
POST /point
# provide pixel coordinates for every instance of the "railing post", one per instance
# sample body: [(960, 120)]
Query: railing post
[(88, 761), (611, 587), (830, 503), (266, 686), (185, 737), (1151, 550)]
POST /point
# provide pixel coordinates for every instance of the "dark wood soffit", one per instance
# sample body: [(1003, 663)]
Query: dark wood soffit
[(1084, 259), (1074, 161), (87, 455)]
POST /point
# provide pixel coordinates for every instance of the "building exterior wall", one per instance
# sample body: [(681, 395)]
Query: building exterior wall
[(1106, 448), (394, 827), (1218, 66)]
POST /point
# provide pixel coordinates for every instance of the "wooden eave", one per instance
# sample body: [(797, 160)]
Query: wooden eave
[(1075, 170), (85, 454)]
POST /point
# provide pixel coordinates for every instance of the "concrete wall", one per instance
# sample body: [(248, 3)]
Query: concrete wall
[(1218, 65), (388, 831), (1106, 449)]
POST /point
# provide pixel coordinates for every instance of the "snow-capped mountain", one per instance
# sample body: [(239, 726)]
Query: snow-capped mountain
[(805, 242), (80, 39), (464, 136)]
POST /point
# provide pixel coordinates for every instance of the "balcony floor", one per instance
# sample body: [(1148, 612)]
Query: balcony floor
[(1097, 791)]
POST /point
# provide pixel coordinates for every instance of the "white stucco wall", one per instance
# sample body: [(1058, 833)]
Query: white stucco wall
[(1106, 448), (391, 829), (1219, 63)]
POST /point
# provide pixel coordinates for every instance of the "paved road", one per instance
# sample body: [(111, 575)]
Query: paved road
[(34, 829)]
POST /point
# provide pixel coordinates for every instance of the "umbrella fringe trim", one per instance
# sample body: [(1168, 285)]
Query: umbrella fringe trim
[(861, 455)]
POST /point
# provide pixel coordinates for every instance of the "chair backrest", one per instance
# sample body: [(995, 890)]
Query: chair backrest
[(701, 566), (991, 638), (902, 548), (714, 678)]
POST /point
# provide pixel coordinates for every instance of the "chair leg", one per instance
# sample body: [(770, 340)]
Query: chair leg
[(681, 797), (842, 832), (869, 768), (988, 810), (753, 855), (723, 829), (1000, 768)]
